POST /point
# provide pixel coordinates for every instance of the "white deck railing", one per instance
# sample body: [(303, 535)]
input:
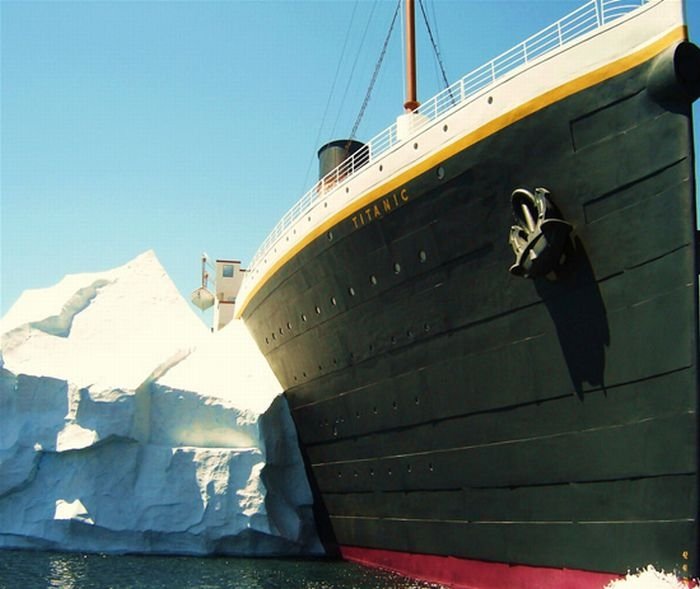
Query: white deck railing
[(592, 15)]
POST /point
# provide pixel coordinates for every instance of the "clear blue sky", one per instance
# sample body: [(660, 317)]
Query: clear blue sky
[(193, 126)]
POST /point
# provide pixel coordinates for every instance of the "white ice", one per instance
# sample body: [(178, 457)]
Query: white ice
[(126, 426)]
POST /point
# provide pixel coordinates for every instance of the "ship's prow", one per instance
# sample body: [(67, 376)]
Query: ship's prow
[(487, 327)]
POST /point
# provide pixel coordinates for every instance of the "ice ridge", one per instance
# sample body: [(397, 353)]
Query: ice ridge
[(60, 325)]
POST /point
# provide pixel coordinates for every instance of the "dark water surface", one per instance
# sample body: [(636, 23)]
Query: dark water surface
[(44, 570)]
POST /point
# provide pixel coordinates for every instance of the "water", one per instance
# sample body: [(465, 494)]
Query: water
[(48, 570)]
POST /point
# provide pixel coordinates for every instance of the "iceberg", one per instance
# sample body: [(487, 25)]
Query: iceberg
[(127, 426)]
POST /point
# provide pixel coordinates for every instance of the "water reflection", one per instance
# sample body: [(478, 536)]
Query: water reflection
[(64, 572), (45, 570)]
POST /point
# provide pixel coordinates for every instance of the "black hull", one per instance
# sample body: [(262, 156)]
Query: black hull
[(455, 409)]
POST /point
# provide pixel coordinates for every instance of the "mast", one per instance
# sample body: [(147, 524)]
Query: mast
[(411, 103)]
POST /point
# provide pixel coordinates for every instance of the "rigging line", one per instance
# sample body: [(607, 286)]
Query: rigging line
[(436, 22), (352, 71), (330, 94), (430, 8), (435, 49), (375, 74)]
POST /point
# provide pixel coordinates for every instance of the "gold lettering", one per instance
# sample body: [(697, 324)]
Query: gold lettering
[(381, 207)]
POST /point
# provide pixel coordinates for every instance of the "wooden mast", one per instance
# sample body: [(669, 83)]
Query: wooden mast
[(411, 103)]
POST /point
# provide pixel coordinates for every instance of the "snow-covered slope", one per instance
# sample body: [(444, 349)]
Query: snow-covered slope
[(125, 426)]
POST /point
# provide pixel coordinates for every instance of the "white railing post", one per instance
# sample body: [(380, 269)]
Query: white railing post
[(559, 35)]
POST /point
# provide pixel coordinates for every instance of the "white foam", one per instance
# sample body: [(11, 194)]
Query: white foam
[(648, 578)]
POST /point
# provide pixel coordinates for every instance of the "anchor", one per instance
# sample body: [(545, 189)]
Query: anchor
[(540, 234)]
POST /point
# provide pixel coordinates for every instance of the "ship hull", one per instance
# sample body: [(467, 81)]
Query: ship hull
[(461, 573), (448, 408)]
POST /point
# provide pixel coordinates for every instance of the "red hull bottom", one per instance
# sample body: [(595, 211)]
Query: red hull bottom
[(461, 573)]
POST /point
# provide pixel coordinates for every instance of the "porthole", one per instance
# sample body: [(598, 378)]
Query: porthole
[(374, 409), (351, 290), (330, 236), (373, 279), (325, 205), (318, 310), (395, 405), (422, 256), (408, 468), (440, 173), (308, 218), (444, 128), (417, 400), (274, 337), (320, 368), (347, 190), (415, 146), (409, 333), (267, 340), (393, 339), (426, 327), (281, 331), (371, 472), (289, 325), (389, 472), (490, 100), (371, 348), (303, 374), (303, 317), (334, 302), (430, 467), (381, 168), (357, 414), (397, 268)]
